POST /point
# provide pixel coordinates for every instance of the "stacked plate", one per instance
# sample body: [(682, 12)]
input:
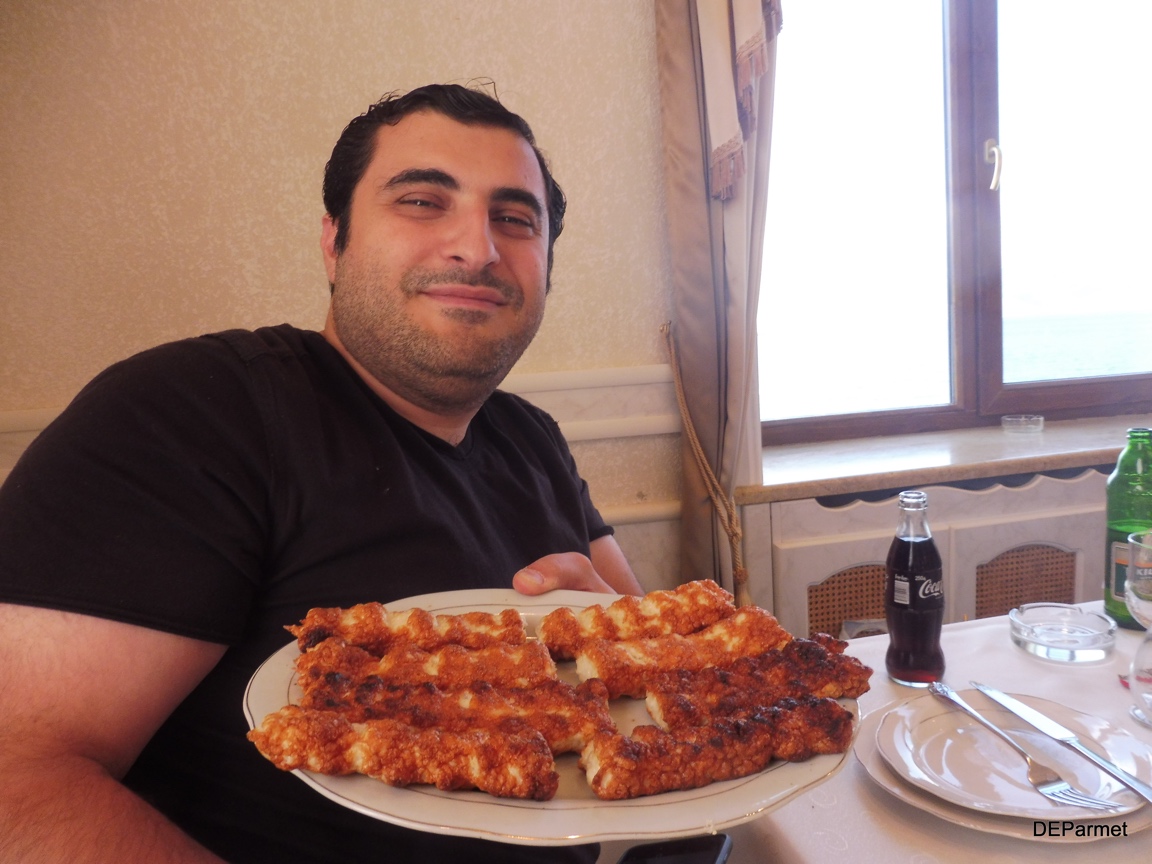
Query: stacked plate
[(939, 760)]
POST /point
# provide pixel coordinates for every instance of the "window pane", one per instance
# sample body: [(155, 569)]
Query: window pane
[(854, 294), (1075, 86)]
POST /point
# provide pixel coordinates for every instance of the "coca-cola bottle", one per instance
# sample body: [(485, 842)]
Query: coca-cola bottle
[(914, 597)]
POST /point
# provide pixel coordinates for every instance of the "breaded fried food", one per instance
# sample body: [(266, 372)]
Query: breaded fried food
[(682, 610), (803, 667), (513, 762), (625, 667), (808, 726), (568, 717), (375, 629), (651, 760), (341, 668), (830, 643)]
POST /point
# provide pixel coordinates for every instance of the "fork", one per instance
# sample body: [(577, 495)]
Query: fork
[(1047, 782)]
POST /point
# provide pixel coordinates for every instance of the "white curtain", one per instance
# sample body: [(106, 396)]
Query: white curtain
[(717, 62)]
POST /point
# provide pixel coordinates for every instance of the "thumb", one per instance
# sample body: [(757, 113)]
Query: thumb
[(532, 581), (563, 570)]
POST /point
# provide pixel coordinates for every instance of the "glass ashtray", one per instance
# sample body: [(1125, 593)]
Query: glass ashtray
[(1061, 632)]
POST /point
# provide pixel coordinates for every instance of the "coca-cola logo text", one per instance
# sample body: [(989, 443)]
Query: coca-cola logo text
[(931, 588)]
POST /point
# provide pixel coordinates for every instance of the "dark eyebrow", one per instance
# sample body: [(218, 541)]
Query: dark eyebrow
[(423, 175)]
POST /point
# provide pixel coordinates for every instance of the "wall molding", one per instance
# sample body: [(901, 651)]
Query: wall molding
[(30, 420), (581, 379), (597, 404), (609, 403), (623, 427), (635, 514), (589, 405)]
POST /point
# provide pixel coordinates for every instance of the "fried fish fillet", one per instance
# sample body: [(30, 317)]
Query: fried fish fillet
[(375, 629), (342, 668), (568, 717), (626, 666), (651, 760), (682, 610), (803, 667), (513, 762)]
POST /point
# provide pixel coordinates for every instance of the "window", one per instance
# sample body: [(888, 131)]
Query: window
[(900, 293)]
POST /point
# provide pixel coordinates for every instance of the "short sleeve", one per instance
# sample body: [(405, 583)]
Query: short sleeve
[(144, 501)]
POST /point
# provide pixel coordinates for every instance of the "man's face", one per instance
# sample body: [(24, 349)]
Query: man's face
[(441, 285)]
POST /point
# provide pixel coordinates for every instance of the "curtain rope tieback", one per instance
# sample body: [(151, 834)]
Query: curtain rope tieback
[(723, 504)]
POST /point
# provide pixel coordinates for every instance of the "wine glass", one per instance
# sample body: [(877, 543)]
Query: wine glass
[(1138, 598)]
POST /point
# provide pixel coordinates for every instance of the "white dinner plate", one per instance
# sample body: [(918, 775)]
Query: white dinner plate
[(1009, 826), (575, 814), (946, 753)]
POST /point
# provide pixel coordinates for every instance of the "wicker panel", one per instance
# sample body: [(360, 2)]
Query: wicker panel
[(1026, 574), (853, 594)]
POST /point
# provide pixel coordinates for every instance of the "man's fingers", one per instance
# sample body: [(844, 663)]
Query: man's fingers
[(569, 570)]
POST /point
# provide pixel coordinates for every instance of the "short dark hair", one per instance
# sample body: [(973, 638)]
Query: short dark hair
[(473, 107)]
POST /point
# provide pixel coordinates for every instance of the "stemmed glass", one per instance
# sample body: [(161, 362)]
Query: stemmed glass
[(1138, 598)]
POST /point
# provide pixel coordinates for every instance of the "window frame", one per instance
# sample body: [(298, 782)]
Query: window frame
[(974, 279)]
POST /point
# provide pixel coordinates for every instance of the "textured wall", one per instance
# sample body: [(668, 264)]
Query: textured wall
[(161, 162)]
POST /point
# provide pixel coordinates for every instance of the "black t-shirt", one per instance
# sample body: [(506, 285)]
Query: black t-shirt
[(220, 487)]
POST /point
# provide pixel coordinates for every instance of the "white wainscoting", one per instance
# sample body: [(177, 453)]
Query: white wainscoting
[(791, 545), (619, 403), (592, 404)]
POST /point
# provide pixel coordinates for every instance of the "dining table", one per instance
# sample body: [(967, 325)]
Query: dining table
[(850, 817)]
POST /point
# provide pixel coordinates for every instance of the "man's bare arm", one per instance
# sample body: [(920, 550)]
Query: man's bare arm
[(79, 698), (609, 561)]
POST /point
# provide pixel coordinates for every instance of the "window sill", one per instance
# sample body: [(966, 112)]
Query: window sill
[(797, 471)]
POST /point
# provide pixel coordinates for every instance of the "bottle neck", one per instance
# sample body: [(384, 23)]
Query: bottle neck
[(913, 516), (1136, 457), (913, 525)]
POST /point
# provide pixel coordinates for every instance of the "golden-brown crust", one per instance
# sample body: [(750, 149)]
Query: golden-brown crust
[(340, 667), (453, 700), (809, 726), (803, 667), (512, 762), (566, 716), (682, 610), (830, 643), (625, 667), (374, 628), (651, 760)]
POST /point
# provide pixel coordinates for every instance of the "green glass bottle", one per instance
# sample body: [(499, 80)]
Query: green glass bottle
[(1128, 510)]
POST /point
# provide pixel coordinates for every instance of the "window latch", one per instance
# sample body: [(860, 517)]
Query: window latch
[(995, 157)]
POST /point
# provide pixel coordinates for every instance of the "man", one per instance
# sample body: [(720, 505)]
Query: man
[(198, 497)]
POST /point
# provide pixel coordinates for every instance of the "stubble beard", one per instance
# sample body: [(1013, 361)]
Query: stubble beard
[(437, 373)]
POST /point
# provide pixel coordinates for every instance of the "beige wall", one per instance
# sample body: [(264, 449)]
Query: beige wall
[(161, 164), (160, 167)]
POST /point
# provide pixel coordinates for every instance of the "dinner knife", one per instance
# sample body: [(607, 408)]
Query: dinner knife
[(1066, 736)]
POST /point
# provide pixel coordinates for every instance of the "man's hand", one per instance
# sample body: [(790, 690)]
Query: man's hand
[(606, 572), (562, 570)]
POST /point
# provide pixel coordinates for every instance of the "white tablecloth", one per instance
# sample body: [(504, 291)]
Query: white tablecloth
[(849, 818)]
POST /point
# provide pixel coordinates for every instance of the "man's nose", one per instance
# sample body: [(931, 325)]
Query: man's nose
[(471, 242)]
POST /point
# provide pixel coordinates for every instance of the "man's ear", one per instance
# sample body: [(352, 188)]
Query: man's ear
[(328, 246)]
